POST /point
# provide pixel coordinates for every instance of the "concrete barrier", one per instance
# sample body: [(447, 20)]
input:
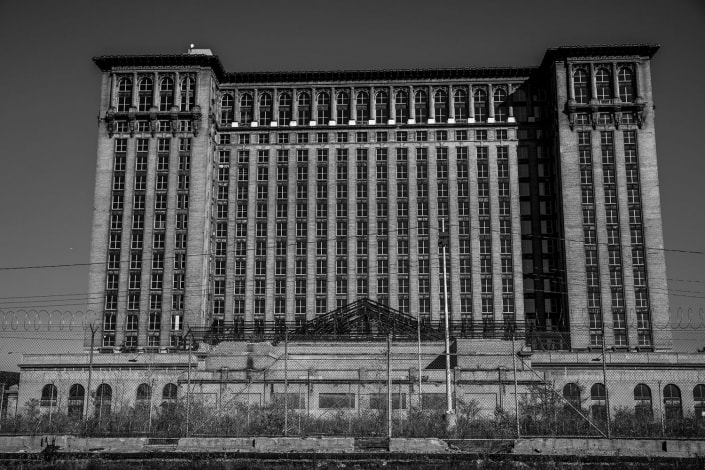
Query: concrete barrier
[(30, 443), (297, 444), (105, 444), (423, 445), (617, 447), (216, 444)]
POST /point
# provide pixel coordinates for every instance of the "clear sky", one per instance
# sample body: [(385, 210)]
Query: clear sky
[(49, 90)]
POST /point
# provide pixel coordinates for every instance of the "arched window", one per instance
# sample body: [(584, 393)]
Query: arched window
[(76, 396), (166, 94), (598, 395), (699, 399), (672, 402), (401, 106), (342, 107), (145, 91), (362, 107), (188, 93), (440, 106), (304, 104), (500, 104), (571, 392), (625, 83), (420, 106), (170, 392), (642, 406), (265, 109), (103, 400), (49, 395), (284, 117), (381, 107), (124, 95), (226, 110), (246, 108), (603, 79), (460, 99), (581, 87), (144, 392), (480, 98), (169, 395), (323, 108)]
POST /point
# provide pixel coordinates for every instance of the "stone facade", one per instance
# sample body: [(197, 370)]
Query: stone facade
[(258, 200)]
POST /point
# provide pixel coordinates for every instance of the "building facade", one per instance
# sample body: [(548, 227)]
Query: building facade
[(263, 198), (522, 200)]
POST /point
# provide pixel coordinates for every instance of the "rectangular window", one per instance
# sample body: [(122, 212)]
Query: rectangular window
[(336, 400)]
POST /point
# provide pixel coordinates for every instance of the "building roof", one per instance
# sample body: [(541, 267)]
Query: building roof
[(600, 50), (200, 58)]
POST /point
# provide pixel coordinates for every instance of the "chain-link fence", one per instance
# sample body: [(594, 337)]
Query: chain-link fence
[(493, 389)]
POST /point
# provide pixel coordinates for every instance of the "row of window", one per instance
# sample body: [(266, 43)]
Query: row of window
[(672, 399), (643, 403), (363, 107), (600, 84), (282, 138), (161, 92), (103, 397)]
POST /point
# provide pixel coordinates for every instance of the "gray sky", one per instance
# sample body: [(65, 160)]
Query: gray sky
[(49, 91)]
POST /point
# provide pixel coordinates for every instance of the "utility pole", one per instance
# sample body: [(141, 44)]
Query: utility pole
[(189, 343), (286, 379), (94, 328), (450, 413), (516, 387), (604, 382)]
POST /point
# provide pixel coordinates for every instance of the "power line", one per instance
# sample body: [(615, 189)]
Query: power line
[(332, 238)]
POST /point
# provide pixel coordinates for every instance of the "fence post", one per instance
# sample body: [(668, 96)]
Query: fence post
[(604, 382), (516, 396), (389, 385), (188, 388), (418, 334), (286, 379), (660, 409)]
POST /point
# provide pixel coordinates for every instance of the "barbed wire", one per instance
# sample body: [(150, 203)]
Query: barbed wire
[(70, 320)]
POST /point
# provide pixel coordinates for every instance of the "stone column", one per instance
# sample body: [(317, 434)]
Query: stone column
[(333, 106), (255, 108), (177, 91), (571, 82), (294, 107), (314, 106), (275, 107), (490, 101), (510, 101), (593, 82), (471, 110), (451, 105), (373, 106), (155, 90), (392, 105), (431, 106), (353, 105), (135, 90), (615, 82), (113, 92), (236, 105), (637, 82), (412, 105)]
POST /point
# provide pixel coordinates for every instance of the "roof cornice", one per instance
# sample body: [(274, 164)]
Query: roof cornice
[(108, 62), (601, 50)]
